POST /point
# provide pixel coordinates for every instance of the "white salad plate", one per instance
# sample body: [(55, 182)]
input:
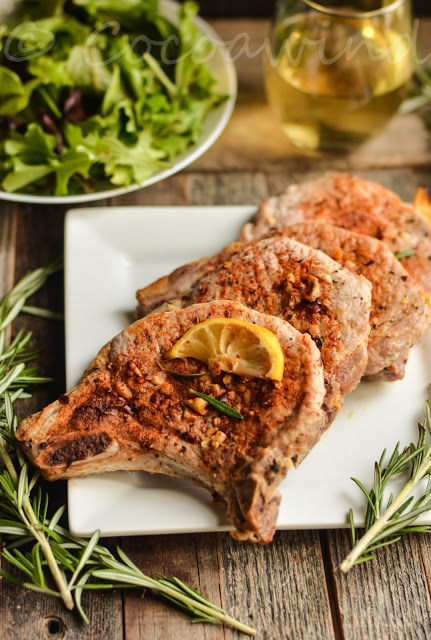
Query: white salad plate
[(223, 70), (111, 252)]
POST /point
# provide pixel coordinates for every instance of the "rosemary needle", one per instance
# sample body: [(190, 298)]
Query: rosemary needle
[(405, 254), (219, 405), (50, 559)]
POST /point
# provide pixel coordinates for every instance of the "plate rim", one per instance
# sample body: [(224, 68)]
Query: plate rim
[(225, 111)]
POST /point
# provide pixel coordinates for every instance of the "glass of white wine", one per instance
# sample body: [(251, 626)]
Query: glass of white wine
[(337, 71)]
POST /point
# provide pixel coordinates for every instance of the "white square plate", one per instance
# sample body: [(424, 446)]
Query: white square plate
[(111, 252)]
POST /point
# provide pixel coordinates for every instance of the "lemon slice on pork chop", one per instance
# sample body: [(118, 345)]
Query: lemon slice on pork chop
[(234, 346)]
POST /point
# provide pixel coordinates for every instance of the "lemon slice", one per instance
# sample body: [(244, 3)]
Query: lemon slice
[(234, 346)]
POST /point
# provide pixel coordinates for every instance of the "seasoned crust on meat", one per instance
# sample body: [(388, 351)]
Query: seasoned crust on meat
[(399, 313), (172, 287), (282, 277), (128, 412), (356, 204), (287, 279)]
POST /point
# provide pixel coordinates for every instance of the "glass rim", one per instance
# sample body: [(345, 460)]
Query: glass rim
[(346, 13)]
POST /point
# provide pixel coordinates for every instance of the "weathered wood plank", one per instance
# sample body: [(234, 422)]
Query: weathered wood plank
[(193, 559), (173, 191), (425, 550), (225, 188), (281, 587), (8, 223), (387, 598), (39, 240), (29, 616), (254, 140)]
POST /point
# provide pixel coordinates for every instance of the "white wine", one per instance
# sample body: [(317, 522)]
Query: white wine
[(334, 83)]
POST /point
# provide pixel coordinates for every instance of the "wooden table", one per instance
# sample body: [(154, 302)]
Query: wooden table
[(291, 588)]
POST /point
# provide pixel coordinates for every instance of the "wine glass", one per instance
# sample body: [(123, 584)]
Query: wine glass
[(337, 71)]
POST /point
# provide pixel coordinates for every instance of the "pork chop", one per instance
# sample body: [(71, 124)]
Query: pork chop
[(356, 204), (399, 313), (129, 412), (282, 277)]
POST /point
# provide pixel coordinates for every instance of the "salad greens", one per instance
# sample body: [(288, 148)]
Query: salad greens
[(97, 91)]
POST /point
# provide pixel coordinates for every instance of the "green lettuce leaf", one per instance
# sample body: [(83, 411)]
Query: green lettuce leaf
[(33, 157), (50, 71), (141, 160), (86, 68), (36, 9), (32, 37), (14, 95), (194, 48), (123, 163), (68, 165), (34, 147), (23, 175), (113, 93), (126, 164), (131, 67), (132, 14)]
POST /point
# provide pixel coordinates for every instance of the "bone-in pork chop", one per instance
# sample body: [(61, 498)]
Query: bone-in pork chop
[(356, 204), (128, 412), (399, 313)]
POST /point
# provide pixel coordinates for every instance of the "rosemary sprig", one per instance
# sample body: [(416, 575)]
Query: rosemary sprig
[(16, 483), (49, 558), (386, 526), (173, 589), (219, 405)]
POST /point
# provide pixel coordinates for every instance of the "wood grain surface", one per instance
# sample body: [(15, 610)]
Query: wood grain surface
[(291, 589)]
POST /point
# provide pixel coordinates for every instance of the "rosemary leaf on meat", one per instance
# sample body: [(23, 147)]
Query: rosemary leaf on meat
[(219, 405), (405, 254), (188, 375), (48, 557), (386, 525)]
